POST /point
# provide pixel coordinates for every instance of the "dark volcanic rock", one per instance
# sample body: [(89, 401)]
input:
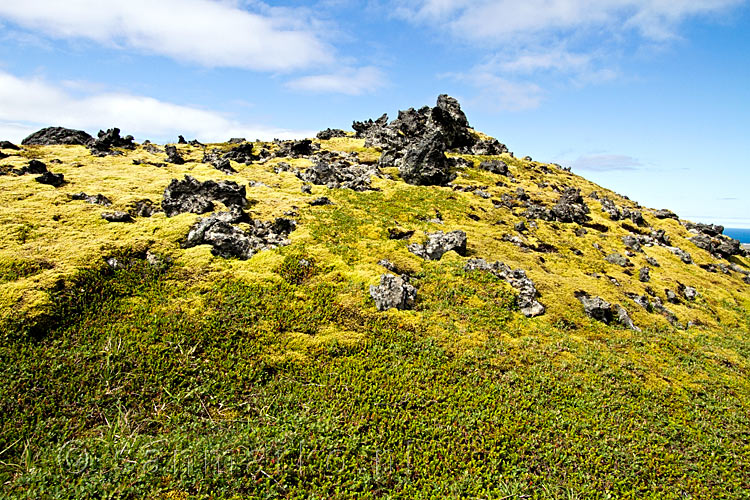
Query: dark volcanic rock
[(601, 310), (55, 180), (665, 214), (144, 208), (643, 274), (323, 200), (181, 140), (52, 136), (34, 167), (228, 240), (527, 293), (98, 199), (111, 139), (330, 133), (439, 243), (488, 147), (241, 154), (340, 174), (296, 149), (224, 165), (393, 292), (398, 234), (571, 207), (495, 166), (117, 216), (9, 145), (190, 195), (173, 156), (617, 259), (425, 163)]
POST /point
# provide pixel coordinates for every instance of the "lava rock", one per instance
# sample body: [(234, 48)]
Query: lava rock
[(228, 240), (111, 139), (571, 207), (173, 156), (34, 167), (439, 243), (117, 216), (425, 164), (295, 149), (617, 259), (688, 292), (632, 243), (241, 154), (98, 199), (144, 208), (495, 166), (306, 188), (665, 214), (539, 212), (643, 275), (54, 136), (682, 254), (671, 296), (330, 133), (190, 195), (393, 292), (518, 279), (398, 234), (55, 180), (487, 147), (339, 174), (181, 140), (323, 200), (9, 145)]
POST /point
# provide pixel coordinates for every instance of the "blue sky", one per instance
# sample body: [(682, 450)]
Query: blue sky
[(650, 98)]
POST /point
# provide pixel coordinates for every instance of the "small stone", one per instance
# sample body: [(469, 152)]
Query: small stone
[(117, 216), (55, 180), (643, 275)]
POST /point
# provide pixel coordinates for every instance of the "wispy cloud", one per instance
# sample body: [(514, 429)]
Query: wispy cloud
[(606, 163), (207, 32), (142, 116), (352, 81), (500, 93), (489, 21)]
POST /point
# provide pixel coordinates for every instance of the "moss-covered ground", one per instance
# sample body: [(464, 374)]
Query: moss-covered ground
[(221, 378)]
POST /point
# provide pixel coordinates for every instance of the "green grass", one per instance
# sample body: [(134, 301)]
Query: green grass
[(131, 393)]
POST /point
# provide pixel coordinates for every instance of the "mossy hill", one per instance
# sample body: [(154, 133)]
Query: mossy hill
[(134, 367)]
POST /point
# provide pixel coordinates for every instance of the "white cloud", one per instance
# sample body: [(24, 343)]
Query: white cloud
[(347, 81), (208, 32), (606, 163), (503, 20), (29, 104)]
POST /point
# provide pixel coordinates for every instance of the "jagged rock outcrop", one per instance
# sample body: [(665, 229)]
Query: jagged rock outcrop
[(439, 243), (173, 156), (495, 166), (55, 180), (330, 133), (527, 293), (9, 145), (190, 195), (97, 199), (117, 216), (296, 149), (143, 208), (665, 214), (601, 310), (105, 141), (339, 173), (571, 207), (228, 240), (393, 292), (53, 136), (241, 154), (425, 164), (710, 237)]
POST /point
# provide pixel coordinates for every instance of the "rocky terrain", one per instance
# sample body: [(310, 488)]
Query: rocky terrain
[(418, 226)]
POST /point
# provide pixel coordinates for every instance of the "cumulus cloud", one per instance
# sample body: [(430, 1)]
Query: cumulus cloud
[(606, 163), (207, 32), (502, 20), (141, 116), (351, 81)]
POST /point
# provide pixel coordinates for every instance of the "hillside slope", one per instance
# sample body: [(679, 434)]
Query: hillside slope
[(242, 353)]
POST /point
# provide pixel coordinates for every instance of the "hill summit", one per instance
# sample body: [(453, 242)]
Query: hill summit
[(410, 295)]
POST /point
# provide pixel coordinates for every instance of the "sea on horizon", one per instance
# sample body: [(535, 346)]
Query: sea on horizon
[(741, 234)]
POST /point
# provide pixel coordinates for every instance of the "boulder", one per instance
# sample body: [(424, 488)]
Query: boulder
[(296, 149), (487, 147), (338, 173), (241, 154), (323, 200), (398, 234), (330, 133), (665, 214), (53, 136), (190, 195), (617, 259), (34, 167), (117, 216), (571, 207), (393, 292), (55, 180), (688, 292), (228, 240), (527, 301), (98, 199), (495, 166), (596, 307), (632, 243), (643, 275), (609, 207), (425, 164), (624, 318), (9, 145), (671, 296), (181, 140), (173, 156), (439, 243), (682, 254), (111, 139), (143, 208)]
